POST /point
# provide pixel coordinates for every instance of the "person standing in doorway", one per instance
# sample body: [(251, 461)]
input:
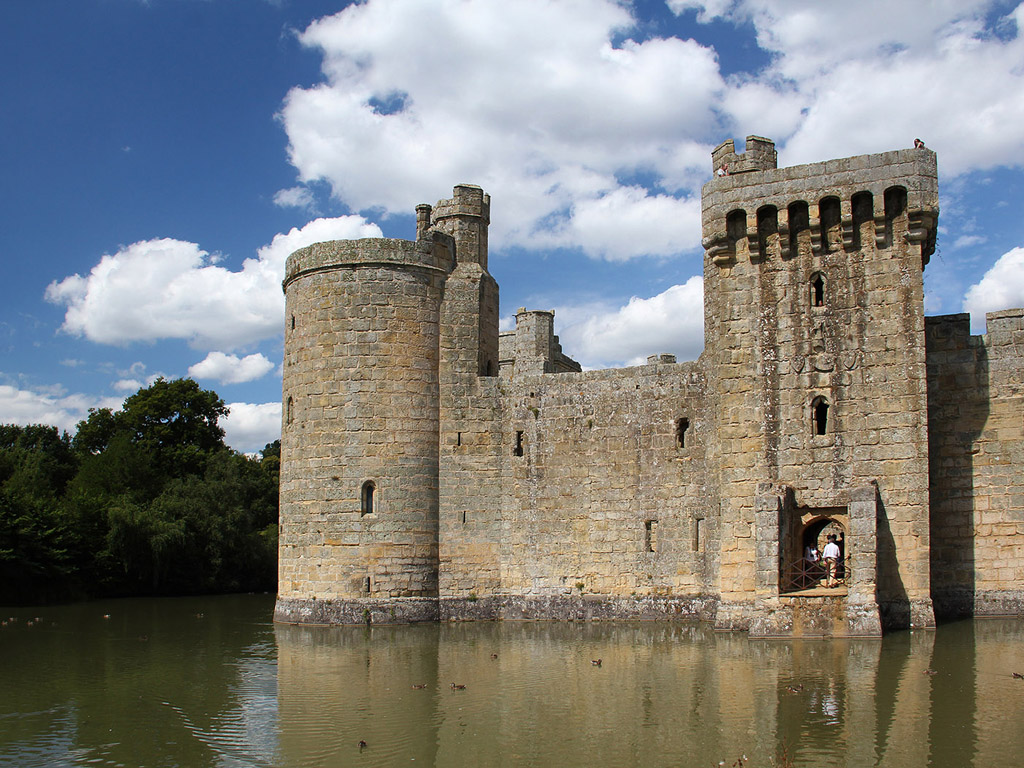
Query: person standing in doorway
[(831, 557)]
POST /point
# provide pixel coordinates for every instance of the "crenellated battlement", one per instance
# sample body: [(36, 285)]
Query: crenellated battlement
[(822, 207), (760, 155)]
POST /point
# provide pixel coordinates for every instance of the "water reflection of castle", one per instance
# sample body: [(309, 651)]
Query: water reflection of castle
[(436, 469), (666, 694)]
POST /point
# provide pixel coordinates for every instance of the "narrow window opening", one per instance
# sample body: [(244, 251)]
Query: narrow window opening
[(830, 214), (458, 438), (518, 450), (736, 229), (368, 500), (818, 290), (288, 411), (799, 229), (463, 518), (698, 534), (681, 426), (366, 584), (819, 410), (293, 322), (863, 220), (767, 231), (895, 215), (651, 536)]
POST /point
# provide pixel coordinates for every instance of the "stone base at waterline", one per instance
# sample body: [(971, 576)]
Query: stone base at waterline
[(407, 610), (397, 610), (824, 616)]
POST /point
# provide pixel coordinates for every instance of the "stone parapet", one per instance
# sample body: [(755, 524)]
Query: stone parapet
[(369, 252)]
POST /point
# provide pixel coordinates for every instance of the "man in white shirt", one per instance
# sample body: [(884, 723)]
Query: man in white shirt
[(831, 556)]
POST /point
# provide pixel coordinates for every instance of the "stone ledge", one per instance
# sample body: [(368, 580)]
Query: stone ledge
[(578, 608), (399, 610)]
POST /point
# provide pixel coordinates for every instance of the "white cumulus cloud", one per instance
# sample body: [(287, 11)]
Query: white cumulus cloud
[(547, 116), (171, 289), (1002, 287), (842, 81), (62, 410), (231, 369), (672, 322), (250, 426)]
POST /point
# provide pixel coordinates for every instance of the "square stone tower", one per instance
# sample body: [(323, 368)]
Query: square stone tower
[(815, 350)]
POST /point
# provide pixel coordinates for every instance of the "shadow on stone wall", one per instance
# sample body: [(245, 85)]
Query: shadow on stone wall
[(893, 602), (958, 410)]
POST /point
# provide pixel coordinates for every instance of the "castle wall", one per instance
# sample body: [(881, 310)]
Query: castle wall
[(975, 407), (601, 497)]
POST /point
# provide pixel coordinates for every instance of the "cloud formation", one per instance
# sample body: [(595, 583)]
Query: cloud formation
[(250, 426), (672, 321), (171, 289), (231, 369), (548, 114), (1002, 287), (873, 75), (566, 102), (64, 411)]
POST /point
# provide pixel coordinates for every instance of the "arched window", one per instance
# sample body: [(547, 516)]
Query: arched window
[(817, 290), (368, 498), (819, 416)]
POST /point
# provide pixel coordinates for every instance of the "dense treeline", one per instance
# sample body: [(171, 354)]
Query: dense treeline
[(147, 500)]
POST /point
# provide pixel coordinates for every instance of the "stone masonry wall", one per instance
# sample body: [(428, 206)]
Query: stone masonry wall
[(814, 300), (976, 413), (601, 497), (361, 412)]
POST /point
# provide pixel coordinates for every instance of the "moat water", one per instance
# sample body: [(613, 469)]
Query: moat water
[(213, 682)]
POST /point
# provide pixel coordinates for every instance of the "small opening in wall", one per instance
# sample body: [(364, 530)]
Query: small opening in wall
[(817, 290), (293, 322), (463, 518), (698, 534), (830, 214), (681, 426), (289, 416), (819, 414), (651, 536), (863, 208), (736, 229), (518, 450), (458, 438), (366, 584), (368, 497), (799, 228), (767, 231)]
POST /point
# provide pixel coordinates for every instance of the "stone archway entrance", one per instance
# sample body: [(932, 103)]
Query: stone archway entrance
[(810, 528)]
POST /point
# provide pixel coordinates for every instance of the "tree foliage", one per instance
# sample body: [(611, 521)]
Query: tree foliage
[(144, 500)]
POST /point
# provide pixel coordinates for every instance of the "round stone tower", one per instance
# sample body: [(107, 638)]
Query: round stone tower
[(359, 502)]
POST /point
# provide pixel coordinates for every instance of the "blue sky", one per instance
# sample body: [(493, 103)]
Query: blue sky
[(161, 158)]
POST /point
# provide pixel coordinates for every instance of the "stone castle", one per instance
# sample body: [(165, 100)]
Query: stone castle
[(434, 468)]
